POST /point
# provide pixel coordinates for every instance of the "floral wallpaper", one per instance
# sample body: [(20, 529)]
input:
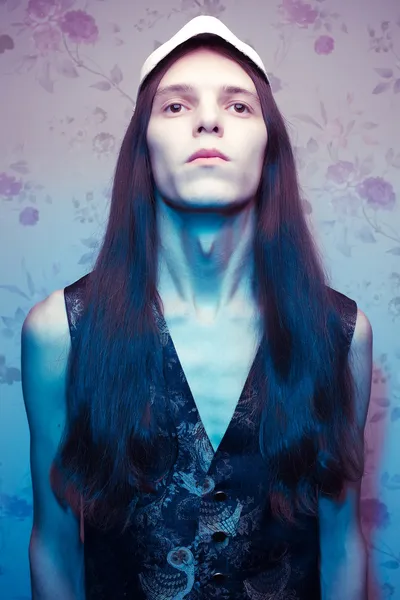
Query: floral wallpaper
[(69, 71)]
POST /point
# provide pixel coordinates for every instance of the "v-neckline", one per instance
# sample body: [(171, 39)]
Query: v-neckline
[(191, 396)]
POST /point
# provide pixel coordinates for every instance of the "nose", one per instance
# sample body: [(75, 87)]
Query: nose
[(208, 118), (208, 127)]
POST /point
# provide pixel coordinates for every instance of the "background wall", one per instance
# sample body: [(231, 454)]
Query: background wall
[(69, 73)]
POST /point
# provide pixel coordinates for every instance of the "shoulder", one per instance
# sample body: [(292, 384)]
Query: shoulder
[(45, 347), (362, 330), (45, 339), (362, 340), (47, 318), (361, 363), (359, 335)]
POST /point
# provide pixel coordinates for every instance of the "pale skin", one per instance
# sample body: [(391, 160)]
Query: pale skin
[(205, 216), (203, 256)]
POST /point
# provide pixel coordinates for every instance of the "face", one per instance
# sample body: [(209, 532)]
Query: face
[(183, 122)]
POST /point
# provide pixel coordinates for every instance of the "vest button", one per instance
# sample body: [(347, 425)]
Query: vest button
[(219, 536), (219, 577), (220, 496)]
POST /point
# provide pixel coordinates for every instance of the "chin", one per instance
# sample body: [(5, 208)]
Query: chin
[(207, 204), (188, 200)]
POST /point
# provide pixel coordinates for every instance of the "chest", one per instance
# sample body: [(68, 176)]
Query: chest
[(216, 362)]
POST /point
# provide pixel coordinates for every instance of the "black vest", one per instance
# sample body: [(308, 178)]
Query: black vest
[(208, 531)]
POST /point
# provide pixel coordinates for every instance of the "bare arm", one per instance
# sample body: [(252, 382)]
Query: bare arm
[(55, 550)]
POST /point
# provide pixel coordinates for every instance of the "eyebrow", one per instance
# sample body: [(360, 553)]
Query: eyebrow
[(227, 90)]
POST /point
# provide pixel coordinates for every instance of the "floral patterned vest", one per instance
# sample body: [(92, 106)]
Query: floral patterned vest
[(208, 531)]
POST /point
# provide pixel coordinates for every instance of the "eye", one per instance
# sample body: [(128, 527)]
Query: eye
[(179, 104), (173, 104), (241, 104)]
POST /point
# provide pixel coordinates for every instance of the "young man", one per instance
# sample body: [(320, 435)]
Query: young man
[(206, 279)]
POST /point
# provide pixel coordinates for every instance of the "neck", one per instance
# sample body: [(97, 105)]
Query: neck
[(205, 262)]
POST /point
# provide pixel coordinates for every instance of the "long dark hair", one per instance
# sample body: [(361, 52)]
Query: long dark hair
[(308, 432)]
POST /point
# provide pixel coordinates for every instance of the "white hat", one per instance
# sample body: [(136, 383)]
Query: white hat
[(200, 24)]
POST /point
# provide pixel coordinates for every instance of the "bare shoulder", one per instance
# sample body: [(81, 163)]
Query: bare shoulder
[(48, 319), (45, 346), (363, 330), (361, 365)]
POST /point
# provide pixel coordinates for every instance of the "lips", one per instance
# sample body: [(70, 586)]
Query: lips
[(207, 153)]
